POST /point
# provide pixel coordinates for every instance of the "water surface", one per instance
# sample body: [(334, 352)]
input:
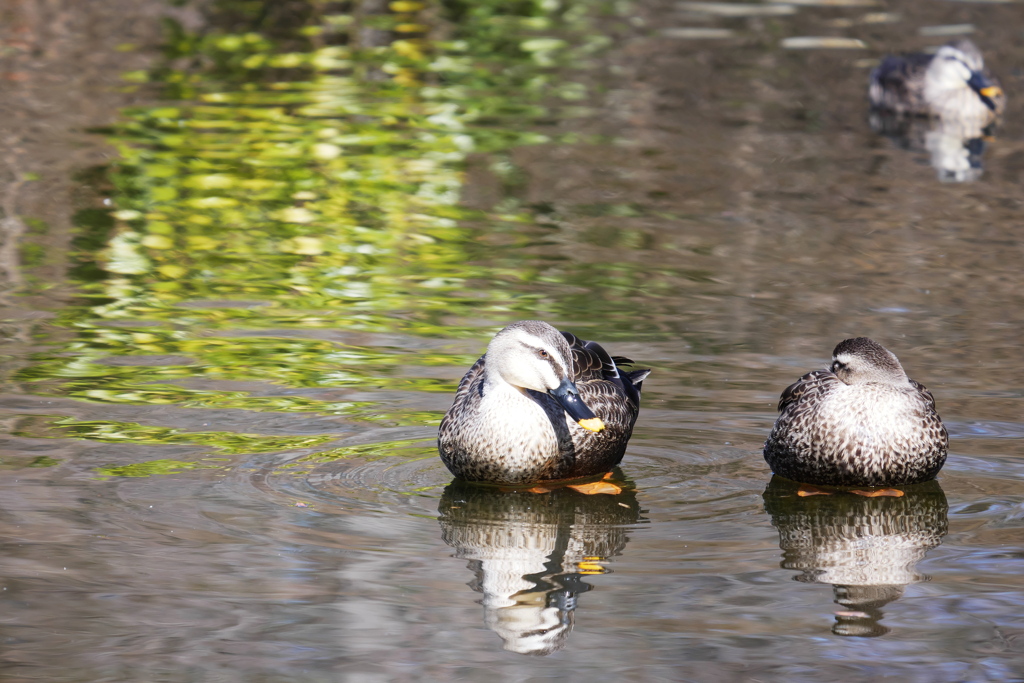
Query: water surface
[(231, 343)]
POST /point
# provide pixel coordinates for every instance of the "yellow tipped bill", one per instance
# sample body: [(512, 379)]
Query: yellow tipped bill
[(594, 424), (992, 91)]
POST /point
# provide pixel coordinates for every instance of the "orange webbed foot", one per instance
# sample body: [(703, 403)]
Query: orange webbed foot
[(808, 490), (877, 493), (595, 487)]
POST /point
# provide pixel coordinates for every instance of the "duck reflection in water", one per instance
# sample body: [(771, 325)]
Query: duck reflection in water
[(946, 103), (530, 551), (867, 548)]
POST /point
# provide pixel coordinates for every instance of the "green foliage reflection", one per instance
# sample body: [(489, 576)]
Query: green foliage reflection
[(122, 432), (308, 175), (151, 468)]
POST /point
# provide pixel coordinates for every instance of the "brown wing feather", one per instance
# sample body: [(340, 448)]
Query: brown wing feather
[(592, 363), (460, 404), (925, 394), (475, 371), (586, 363), (813, 382)]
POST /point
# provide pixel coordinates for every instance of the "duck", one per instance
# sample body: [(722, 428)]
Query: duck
[(861, 422), (540, 405), (951, 84)]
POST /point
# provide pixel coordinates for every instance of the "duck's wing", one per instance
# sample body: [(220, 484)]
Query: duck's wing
[(897, 84), (924, 393), (461, 406), (591, 362), (467, 384), (588, 362), (811, 384), (931, 416)]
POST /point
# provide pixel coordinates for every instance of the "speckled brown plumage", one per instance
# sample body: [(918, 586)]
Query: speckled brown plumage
[(506, 430), (861, 423)]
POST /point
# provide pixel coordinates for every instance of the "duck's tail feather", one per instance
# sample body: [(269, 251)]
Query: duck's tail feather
[(637, 377)]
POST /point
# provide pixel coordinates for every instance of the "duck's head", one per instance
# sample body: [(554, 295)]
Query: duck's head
[(959, 67), (861, 360), (531, 354)]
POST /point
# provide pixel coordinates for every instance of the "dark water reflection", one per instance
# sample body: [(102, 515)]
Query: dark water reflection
[(867, 548), (229, 344), (529, 553), (954, 151)]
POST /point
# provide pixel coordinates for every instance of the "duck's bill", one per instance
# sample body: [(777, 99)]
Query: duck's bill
[(988, 90), (568, 396)]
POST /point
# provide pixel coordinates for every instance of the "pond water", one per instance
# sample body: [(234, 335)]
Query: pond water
[(236, 319)]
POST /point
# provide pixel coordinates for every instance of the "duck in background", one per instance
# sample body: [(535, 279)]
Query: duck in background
[(860, 423), (951, 84), (540, 406), (945, 102)]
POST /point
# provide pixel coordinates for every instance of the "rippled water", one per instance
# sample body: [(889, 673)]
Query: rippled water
[(226, 369)]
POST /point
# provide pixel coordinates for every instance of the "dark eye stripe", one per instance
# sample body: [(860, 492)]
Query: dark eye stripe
[(550, 358), (542, 353)]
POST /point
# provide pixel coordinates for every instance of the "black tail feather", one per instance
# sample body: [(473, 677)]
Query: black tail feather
[(637, 377)]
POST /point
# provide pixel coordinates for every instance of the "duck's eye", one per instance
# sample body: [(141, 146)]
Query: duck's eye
[(837, 366), (543, 354)]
